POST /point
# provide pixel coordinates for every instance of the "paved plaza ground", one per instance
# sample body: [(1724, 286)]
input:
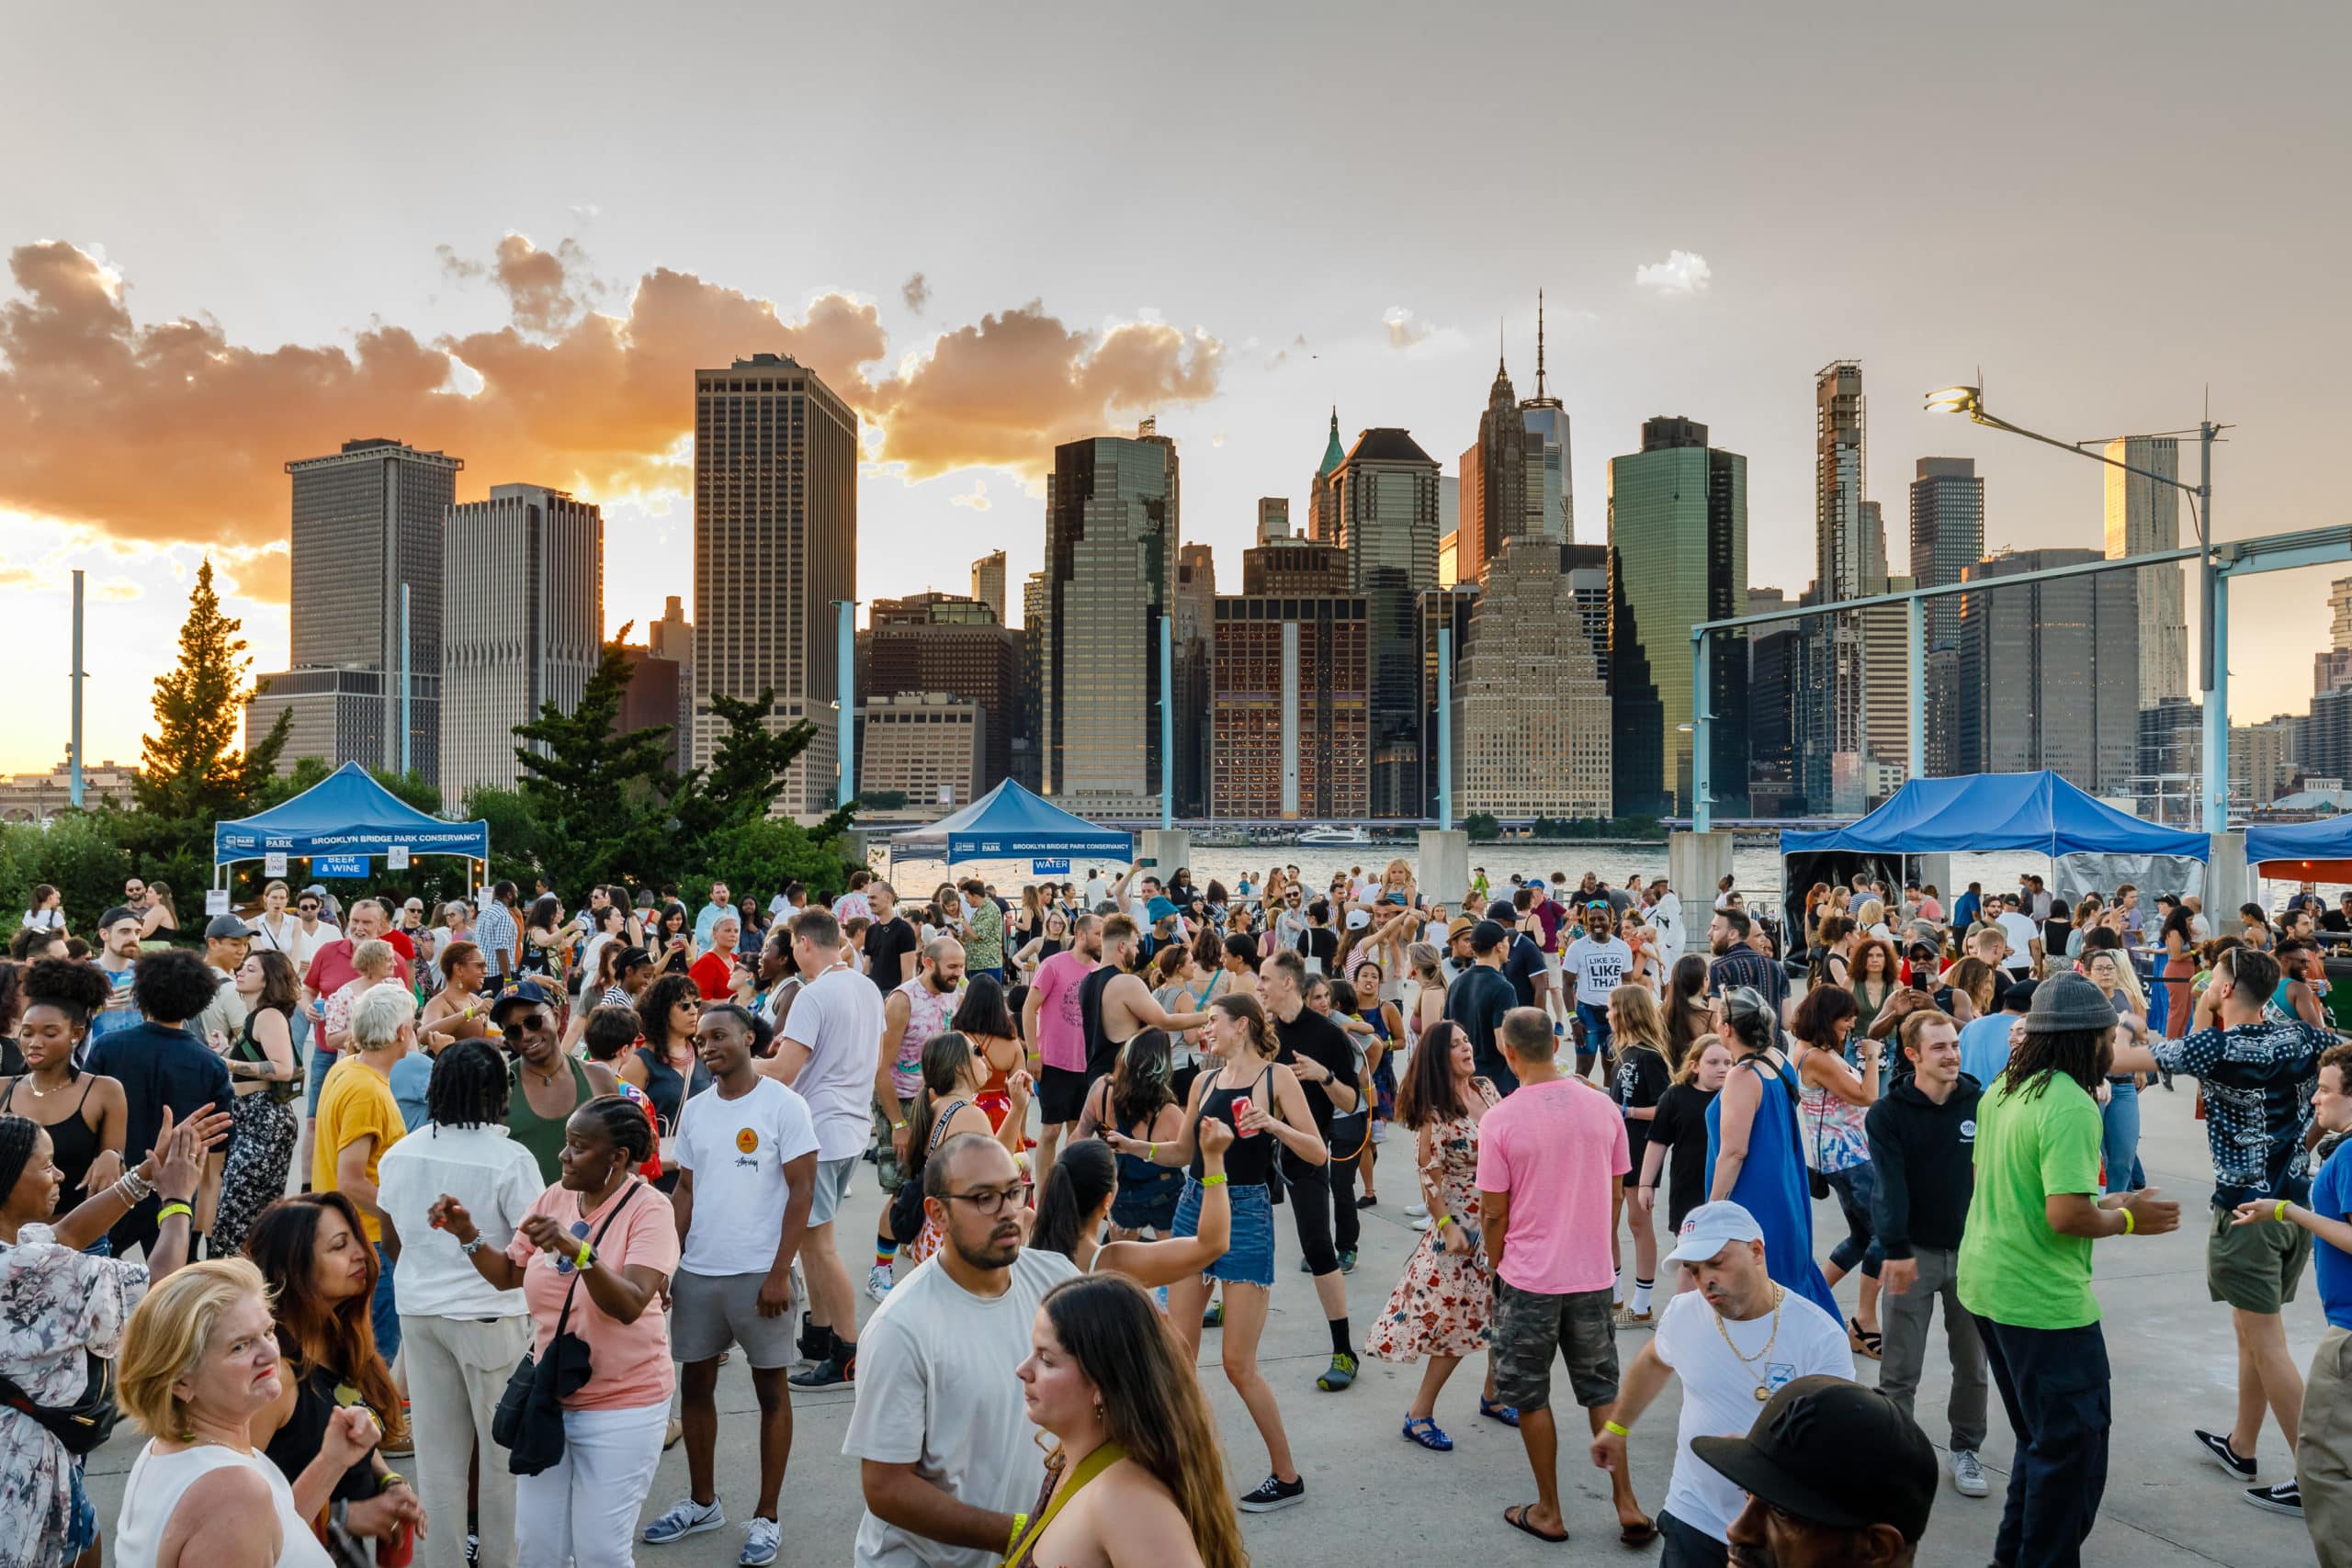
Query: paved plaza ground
[(1371, 1497)]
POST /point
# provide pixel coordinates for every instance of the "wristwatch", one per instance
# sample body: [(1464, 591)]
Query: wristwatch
[(470, 1248)]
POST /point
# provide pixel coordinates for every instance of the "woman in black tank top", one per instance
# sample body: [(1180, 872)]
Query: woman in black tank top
[(1261, 1100), (85, 1115)]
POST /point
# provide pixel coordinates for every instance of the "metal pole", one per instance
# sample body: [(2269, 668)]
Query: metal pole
[(845, 708), (1445, 725), (2213, 662), (406, 660), (73, 750), (1167, 723), (1916, 617), (1702, 745)]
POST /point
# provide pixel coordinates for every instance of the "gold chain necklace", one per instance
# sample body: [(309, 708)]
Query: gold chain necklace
[(1747, 1363)]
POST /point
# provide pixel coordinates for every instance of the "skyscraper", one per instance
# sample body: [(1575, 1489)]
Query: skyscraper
[(1111, 534), (775, 545), (1678, 553), (672, 640), (1322, 512), (522, 623), (1294, 567), (1551, 495), (1947, 538), (1289, 709), (1194, 611), (1845, 557), (944, 645), (367, 522), (1384, 495), (1028, 761), (1273, 519), (2143, 515), (2050, 671), (1535, 722), (987, 584), (1494, 481)]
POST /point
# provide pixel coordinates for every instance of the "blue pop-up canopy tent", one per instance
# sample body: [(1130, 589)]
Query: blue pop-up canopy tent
[(1012, 823), (348, 813), (2000, 811), (2306, 852)]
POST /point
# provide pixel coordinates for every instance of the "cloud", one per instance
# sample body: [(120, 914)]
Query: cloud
[(978, 501), (916, 292), (1405, 329), (1682, 272), (563, 393), (119, 590)]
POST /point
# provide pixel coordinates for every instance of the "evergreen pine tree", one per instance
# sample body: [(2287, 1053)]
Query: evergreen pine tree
[(191, 770)]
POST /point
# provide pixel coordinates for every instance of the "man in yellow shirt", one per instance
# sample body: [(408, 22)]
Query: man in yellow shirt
[(359, 1119)]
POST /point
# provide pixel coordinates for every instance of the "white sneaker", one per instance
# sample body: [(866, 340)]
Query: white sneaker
[(1417, 1212), (879, 1281), (686, 1517), (1967, 1475), (1422, 1222), (1380, 1132), (760, 1538)]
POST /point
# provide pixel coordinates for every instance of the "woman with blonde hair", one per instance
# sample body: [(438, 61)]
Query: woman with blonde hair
[(1971, 983), (199, 1363), (1134, 1473), (1640, 1081)]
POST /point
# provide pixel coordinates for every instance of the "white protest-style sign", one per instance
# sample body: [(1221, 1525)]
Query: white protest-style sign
[(216, 901), (274, 863), (396, 857)]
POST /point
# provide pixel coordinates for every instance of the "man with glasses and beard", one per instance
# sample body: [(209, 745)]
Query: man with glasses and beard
[(940, 1427)]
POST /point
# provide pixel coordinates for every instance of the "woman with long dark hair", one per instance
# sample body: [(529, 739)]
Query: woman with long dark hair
[(267, 1080), (1136, 1473), (1876, 980), (984, 1019), (1684, 1010), (1755, 1153), (321, 1275), (2178, 939), (667, 1068), (1837, 1093), (1138, 1099), (1074, 1205), (672, 939), (1386, 1019), (85, 1115), (1443, 1307)]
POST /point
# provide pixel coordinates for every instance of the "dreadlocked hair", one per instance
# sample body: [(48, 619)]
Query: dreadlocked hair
[(2082, 1055), (467, 1088)]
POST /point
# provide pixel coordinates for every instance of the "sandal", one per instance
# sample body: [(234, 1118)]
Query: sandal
[(1517, 1519), (1505, 1414), (1424, 1430), (1862, 1339), (1641, 1532)]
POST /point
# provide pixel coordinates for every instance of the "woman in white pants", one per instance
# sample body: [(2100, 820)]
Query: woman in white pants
[(462, 1334), (616, 1238)]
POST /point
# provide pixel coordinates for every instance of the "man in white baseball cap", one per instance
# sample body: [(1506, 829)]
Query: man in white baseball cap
[(1735, 1340)]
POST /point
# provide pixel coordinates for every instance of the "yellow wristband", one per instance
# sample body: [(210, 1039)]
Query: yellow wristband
[(1216, 1178), (1612, 1426), (2131, 1225), (168, 1210), (1020, 1523), (2280, 1214), (1151, 1153), (587, 1255)]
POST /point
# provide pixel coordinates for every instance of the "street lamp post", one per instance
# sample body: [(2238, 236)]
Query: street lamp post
[(2212, 660)]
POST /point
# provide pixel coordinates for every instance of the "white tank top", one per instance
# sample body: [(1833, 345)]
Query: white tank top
[(157, 1482)]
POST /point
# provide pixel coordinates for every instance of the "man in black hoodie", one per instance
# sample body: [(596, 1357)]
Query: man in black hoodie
[(1923, 1145)]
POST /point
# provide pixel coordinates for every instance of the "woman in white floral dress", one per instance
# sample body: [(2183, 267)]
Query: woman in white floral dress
[(60, 1306)]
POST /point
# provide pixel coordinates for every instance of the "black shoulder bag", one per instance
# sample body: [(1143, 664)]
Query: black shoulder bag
[(906, 1203), (79, 1427), (529, 1423)]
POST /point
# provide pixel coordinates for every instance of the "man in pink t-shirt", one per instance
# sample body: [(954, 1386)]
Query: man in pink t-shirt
[(1051, 1022), (1548, 1159)]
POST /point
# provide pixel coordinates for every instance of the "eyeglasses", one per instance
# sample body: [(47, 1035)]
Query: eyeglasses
[(992, 1200), (308, 908)]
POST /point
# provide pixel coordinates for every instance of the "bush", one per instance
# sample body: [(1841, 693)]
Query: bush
[(75, 853), (759, 857)]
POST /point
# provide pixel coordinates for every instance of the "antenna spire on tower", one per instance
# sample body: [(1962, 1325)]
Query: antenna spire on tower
[(1539, 343)]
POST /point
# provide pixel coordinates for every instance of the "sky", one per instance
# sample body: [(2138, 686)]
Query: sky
[(240, 236)]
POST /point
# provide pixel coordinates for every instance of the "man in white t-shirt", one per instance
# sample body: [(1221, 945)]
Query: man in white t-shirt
[(940, 1424), (746, 1150), (1598, 962), (1666, 919), (1734, 1340), (2024, 938), (832, 1044)]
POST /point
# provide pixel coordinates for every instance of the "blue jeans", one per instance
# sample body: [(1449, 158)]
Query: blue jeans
[(1596, 1037), (2054, 1386), (2120, 1121), (383, 1313)]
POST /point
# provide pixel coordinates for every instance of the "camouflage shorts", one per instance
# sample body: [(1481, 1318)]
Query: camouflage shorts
[(1530, 1327)]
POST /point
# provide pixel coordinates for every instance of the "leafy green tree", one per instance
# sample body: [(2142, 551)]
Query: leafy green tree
[(513, 831), (77, 854), (412, 788), (1481, 826), (746, 771), (599, 799)]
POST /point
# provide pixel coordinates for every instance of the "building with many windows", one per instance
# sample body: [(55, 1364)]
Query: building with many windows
[(1678, 554), (1536, 730), (1849, 551), (1194, 612), (925, 746), (1493, 482), (1111, 534), (2143, 515), (776, 547), (1294, 566), (1385, 497), (1551, 483), (522, 623), (2050, 672), (1947, 538), (947, 643), (987, 584), (1289, 708)]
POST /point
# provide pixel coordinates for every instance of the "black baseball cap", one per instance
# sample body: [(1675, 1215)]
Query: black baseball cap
[(1833, 1452), (1486, 936)]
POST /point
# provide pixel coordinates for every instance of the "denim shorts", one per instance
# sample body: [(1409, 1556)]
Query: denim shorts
[(1250, 1258)]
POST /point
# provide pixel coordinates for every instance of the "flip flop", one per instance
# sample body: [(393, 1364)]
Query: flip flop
[(1640, 1534), (1517, 1519)]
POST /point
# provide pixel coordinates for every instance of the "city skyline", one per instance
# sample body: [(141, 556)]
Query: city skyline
[(1710, 296)]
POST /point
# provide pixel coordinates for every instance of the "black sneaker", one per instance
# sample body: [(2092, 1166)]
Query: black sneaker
[(1367, 1201), (2284, 1498), (2217, 1447), (831, 1372), (1271, 1495), (1348, 1261)]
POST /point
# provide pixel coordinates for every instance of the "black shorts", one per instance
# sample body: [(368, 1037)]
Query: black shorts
[(1061, 1094)]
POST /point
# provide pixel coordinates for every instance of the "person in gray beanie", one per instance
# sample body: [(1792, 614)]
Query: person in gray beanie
[(2025, 1265)]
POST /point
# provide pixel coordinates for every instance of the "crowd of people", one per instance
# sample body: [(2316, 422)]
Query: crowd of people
[(493, 1192)]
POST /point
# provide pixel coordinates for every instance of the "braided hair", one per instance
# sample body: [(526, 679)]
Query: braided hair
[(17, 1136), (624, 1122), (469, 1087)]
